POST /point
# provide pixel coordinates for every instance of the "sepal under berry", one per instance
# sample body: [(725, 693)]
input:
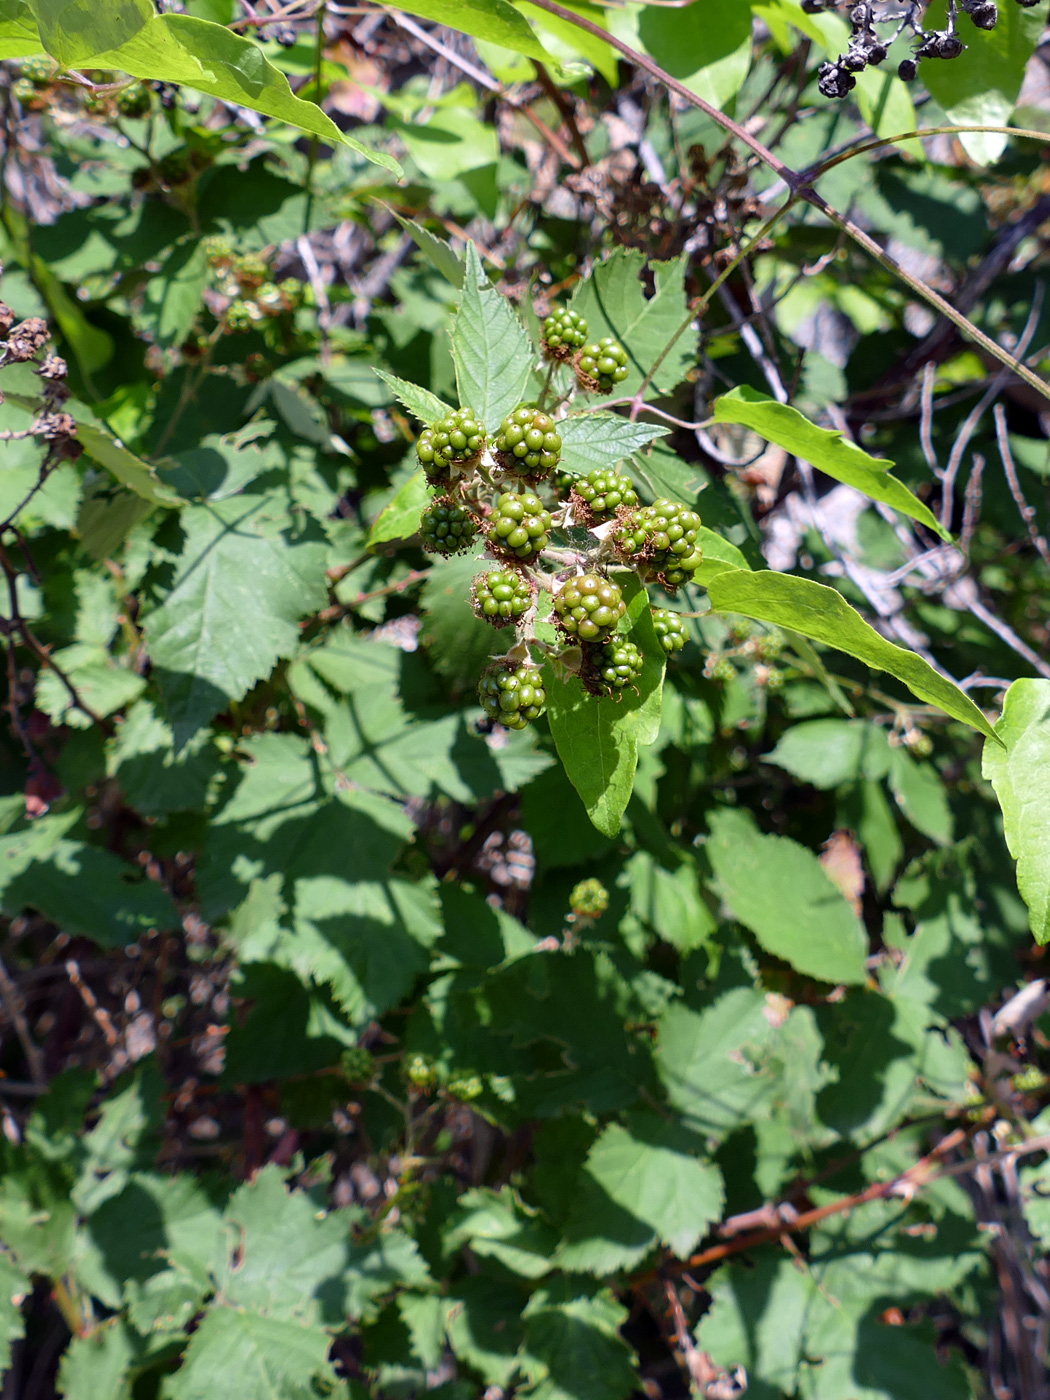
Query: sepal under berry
[(519, 526), (588, 607), (564, 332), (446, 527), (600, 367), (602, 495), (502, 596), (512, 694), (528, 444)]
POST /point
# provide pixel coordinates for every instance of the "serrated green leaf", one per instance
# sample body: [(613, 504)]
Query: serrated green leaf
[(823, 614), (492, 350), (593, 440), (825, 449), (573, 1349), (174, 297), (128, 469), (436, 249), (246, 575), (424, 405), (14, 1289), (252, 1357), (483, 1321), (614, 302), (496, 1226), (399, 520), (1017, 767), (829, 752), (97, 1367), (177, 48)]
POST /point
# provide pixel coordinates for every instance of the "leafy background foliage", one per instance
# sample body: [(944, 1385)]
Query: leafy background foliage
[(313, 1082)]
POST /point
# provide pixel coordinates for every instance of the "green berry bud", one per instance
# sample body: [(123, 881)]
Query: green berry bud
[(502, 596)]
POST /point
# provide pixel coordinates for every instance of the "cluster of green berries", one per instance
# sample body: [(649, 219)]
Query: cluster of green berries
[(519, 526), (601, 367), (588, 607), (502, 596), (564, 332), (254, 298), (358, 1064), (613, 667), (601, 495), (465, 1085), (134, 101), (446, 527), (589, 899), (512, 694), (670, 630), (36, 77), (420, 1072), (456, 441), (661, 540), (527, 444)]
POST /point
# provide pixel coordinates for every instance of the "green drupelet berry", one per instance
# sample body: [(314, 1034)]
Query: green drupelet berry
[(447, 528), (358, 1064), (502, 596), (600, 367), (219, 249), (662, 538), (251, 270), (134, 101), (26, 91), (240, 316), (465, 1085), (421, 1073), (269, 300), (291, 290), (453, 442), (588, 607), (670, 629), (612, 667), (519, 526), (40, 70), (602, 494), (564, 332), (528, 444), (511, 694), (720, 669), (589, 899)]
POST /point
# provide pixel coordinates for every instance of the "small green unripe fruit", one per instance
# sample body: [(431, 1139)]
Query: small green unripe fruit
[(135, 100), (251, 269), (611, 668), (600, 367), (661, 541), (670, 629), (420, 1072), (447, 528), (40, 70), (588, 607), (527, 444), (454, 442), (564, 332), (502, 596), (518, 526), (512, 695), (601, 494), (219, 249), (268, 299), (358, 1064), (240, 316), (589, 899), (465, 1085)]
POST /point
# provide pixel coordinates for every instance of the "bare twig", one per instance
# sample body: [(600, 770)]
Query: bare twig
[(1027, 512)]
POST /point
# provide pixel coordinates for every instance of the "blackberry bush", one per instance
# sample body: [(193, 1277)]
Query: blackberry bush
[(588, 607), (518, 526), (670, 629), (599, 368), (447, 527), (602, 494), (451, 445), (502, 596), (564, 332), (528, 444), (512, 694)]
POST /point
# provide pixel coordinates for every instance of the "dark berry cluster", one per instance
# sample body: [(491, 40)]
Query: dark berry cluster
[(874, 27), (611, 668), (447, 527)]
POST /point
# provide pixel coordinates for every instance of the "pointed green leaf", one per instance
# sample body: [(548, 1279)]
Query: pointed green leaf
[(825, 448), (823, 614), (19, 36), (1017, 768), (436, 249), (421, 403), (399, 520), (592, 440), (492, 350), (493, 21)]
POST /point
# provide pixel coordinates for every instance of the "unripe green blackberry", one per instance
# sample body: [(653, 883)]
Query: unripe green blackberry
[(518, 526), (527, 444), (1029, 1080), (600, 367), (447, 528), (219, 249), (670, 628), (421, 1072), (661, 538), (251, 269), (589, 899), (26, 91), (40, 70), (719, 668), (240, 316), (453, 442), (358, 1064), (135, 100), (268, 299), (291, 290), (465, 1085), (564, 332), (96, 104), (602, 494), (588, 607), (511, 694), (611, 668), (502, 596)]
